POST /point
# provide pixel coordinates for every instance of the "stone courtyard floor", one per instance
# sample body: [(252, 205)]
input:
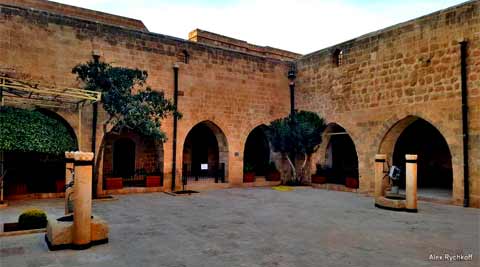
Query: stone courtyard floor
[(255, 227)]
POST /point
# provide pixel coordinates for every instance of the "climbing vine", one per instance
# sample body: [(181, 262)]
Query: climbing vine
[(24, 130)]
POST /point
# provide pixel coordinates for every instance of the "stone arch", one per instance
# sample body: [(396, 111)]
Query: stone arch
[(338, 152), (257, 151), (147, 158), (415, 135), (45, 172), (205, 143)]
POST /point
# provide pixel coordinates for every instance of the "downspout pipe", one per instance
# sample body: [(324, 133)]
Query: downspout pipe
[(96, 59), (175, 123), (464, 88)]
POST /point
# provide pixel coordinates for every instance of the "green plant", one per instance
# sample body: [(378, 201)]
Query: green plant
[(32, 219), (24, 130), (298, 134), (142, 111), (247, 167)]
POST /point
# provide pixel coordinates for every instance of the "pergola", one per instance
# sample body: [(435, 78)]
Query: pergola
[(19, 92), (22, 93), (16, 92)]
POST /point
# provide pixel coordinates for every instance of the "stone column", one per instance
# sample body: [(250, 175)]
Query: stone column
[(411, 183), (82, 210), (380, 184), (69, 169)]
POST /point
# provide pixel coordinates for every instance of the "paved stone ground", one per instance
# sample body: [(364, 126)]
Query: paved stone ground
[(256, 227)]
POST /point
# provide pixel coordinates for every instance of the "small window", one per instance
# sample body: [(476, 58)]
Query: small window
[(339, 57), (183, 56)]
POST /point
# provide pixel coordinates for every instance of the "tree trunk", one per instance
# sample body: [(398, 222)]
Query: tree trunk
[(294, 172), (302, 170)]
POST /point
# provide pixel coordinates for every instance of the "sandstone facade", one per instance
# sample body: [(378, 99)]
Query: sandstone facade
[(406, 71)]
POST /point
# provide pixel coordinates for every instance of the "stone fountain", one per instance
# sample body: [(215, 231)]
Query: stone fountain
[(79, 230)]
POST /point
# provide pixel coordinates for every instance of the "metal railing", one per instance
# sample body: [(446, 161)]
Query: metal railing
[(215, 173)]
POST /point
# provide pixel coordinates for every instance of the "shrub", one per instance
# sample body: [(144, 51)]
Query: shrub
[(248, 167), (32, 219)]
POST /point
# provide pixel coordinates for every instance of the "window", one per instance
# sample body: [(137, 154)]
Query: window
[(183, 56), (338, 57)]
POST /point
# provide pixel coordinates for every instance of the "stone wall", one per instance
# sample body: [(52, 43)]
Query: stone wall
[(235, 91), (403, 72), (78, 12), (385, 81), (211, 38)]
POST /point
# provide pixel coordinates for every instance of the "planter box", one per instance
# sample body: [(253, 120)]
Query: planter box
[(114, 183), (319, 179), (351, 182), (59, 186), (153, 181), (273, 176), (249, 177)]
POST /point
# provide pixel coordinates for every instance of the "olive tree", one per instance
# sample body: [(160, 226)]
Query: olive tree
[(299, 133), (128, 102)]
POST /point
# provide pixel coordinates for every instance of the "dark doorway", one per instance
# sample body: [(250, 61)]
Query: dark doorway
[(257, 151), (341, 155), (434, 170), (124, 158), (203, 155)]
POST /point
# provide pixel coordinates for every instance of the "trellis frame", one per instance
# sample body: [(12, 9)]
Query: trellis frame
[(16, 92)]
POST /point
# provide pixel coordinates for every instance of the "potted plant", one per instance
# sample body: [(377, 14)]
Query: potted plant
[(320, 176), (272, 173), (113, 182), (154, 179), (351, 181), (248, 173)]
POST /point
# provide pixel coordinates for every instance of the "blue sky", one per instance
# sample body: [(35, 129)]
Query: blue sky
[(301, 26)]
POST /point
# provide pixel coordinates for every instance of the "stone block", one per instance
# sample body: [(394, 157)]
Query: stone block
[(59, 233)]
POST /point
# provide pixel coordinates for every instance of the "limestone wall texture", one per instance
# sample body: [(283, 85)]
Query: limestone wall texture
[(77, 12), (411, 69), (211, 38), (386, 79), (235, 91)]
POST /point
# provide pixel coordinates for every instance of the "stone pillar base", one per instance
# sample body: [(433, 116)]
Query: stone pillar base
[(60, 234)]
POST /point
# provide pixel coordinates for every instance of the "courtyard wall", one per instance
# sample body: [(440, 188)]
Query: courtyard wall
[(236, 91), (410, 69)]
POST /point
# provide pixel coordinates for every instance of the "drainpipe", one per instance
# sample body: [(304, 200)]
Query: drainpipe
[(463, 65), (175, 122), (96, 59)]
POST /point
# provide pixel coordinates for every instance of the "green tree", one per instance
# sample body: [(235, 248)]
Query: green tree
[(127, 101), (297, 134)]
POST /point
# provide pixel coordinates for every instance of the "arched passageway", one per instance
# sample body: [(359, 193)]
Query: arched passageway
[(414, 135), (132, 158), (341, 160), (205, 154), (434, 171), (256, 156), (36, 172)]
